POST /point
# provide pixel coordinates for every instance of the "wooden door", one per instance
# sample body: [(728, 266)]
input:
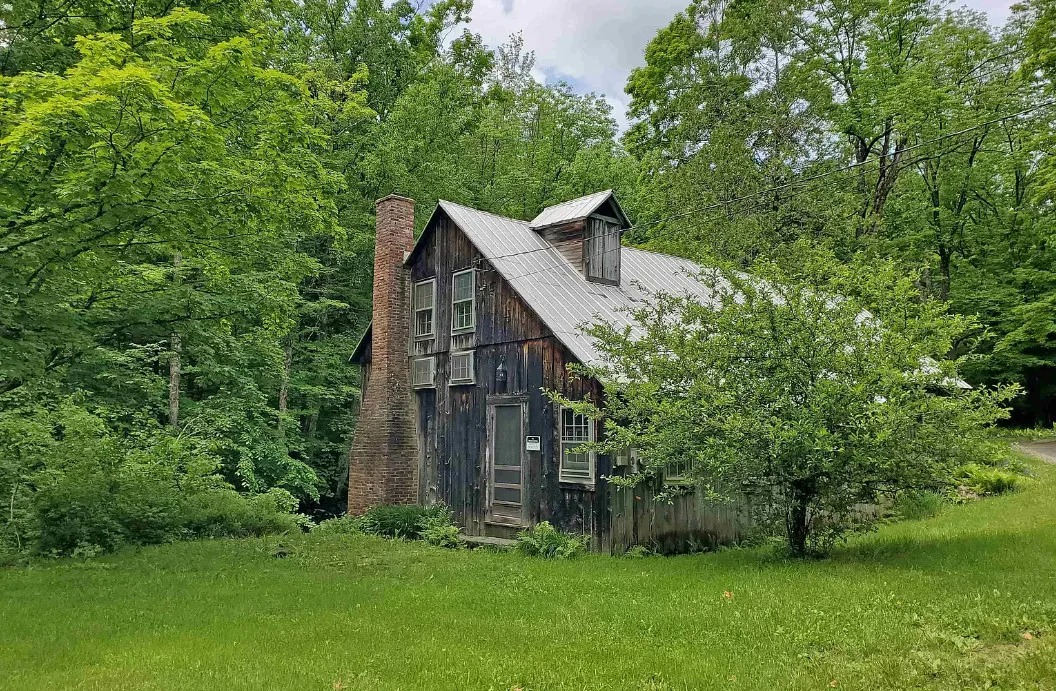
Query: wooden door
[(506, 467)]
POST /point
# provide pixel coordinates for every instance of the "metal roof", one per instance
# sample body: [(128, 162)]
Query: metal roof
[(557, 292), (573, 210)]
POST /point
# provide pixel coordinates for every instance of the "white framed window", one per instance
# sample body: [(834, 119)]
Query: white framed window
[(423, 372), (677, 472), (461, 368), (576, 430), (425, 308), (463, 306)]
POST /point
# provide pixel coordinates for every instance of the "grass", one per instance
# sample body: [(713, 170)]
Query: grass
[(966, 599)]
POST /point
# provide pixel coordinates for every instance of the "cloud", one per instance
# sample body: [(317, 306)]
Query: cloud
[(594, 44)]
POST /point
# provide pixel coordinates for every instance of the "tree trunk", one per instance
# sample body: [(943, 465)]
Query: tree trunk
[(284, 386), (287, 365), (174, 361), (797, 521)]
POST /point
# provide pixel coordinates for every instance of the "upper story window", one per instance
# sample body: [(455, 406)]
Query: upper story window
[(463, 308), (576, 430), (425, 308)]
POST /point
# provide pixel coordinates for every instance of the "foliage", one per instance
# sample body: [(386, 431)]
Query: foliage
[(394, 520), (437, 527), (986, 480), (433, 524), (894, 130), (547, 542), (72, 486), (806, 390), (914, 505), (342, 525)]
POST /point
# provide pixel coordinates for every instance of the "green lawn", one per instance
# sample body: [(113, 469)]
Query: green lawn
[(941, 603)]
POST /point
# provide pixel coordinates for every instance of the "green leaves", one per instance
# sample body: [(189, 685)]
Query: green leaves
[(806, 389)]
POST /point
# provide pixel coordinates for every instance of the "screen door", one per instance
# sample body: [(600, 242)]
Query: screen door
[(506, 475)]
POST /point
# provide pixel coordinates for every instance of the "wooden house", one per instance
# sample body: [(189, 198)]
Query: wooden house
[(471, 324)]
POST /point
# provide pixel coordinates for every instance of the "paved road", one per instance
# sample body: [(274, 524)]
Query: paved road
[(1045, 450)]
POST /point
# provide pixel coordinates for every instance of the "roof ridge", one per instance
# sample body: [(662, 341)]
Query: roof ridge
[(579, 198), (481, 211)]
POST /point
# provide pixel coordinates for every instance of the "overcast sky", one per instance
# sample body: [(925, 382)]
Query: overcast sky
[(594, 44)]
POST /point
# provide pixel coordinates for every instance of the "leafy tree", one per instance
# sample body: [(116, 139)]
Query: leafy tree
[(885, 130), (131, 158), (784, 390)]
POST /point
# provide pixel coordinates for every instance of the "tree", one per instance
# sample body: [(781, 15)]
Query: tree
[(132, 157), (785, 391)]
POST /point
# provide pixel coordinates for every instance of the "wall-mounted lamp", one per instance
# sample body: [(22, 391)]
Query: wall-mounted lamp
[(501, 375)]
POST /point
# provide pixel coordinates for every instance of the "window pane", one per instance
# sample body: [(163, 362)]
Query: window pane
[(463, 315), (508, 477), (422, 372), (463, 286), (575, 462), (423, 295), (423, 322), (508, 494), (462, 367), (574, 427), (507, 440)]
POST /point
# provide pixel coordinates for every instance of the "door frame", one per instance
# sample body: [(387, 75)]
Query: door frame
[(489, 467)]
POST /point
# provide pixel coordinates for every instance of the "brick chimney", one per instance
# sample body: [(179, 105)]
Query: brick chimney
[(383, 461)]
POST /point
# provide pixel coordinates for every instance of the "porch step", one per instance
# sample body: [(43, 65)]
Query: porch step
[(474, 541)]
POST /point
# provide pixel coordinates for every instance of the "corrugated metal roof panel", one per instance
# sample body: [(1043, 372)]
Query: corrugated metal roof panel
[(570, 211), (557, 292)]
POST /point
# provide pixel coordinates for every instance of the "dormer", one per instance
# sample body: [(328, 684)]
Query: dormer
[(587, 232)]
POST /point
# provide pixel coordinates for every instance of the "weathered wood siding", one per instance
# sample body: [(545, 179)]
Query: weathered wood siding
[(601, 252), (452, 420), (568, 240), (637, 518)]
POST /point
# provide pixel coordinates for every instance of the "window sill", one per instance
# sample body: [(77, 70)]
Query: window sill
[(462, 383), (425, 337), (584, 486), (418, 387)]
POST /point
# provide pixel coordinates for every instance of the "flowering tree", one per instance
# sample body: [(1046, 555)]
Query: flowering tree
[(807, 404)]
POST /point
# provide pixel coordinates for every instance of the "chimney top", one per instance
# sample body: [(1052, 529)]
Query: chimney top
[(395, 197)]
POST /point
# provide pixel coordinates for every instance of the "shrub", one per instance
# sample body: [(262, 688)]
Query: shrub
[(986, 480), (72, 487), (546, 541), (437, 527), (401, 520), (342, 525), (226, 513), (915, 505)]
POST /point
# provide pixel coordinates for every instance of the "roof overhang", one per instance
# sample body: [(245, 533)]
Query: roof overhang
[(361, 346), (578, 210)]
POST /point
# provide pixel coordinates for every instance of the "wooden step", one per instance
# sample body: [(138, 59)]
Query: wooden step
[(474, 541)]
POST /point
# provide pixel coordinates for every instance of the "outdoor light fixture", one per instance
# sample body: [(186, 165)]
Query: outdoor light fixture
[(500, 376)]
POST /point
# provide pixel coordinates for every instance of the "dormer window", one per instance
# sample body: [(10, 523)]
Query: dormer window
[(587, 232)]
